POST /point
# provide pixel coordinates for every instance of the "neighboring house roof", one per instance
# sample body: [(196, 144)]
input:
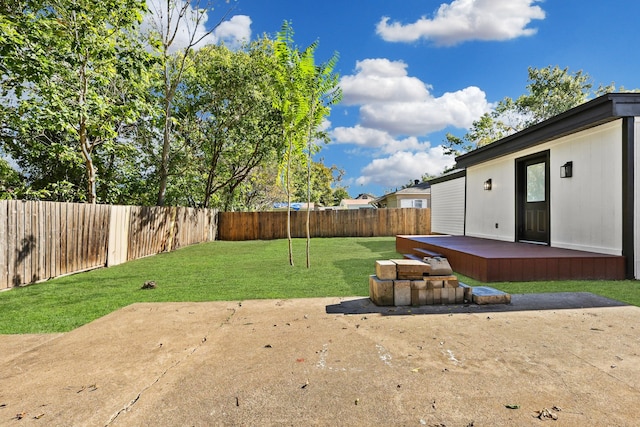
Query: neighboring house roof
[(419, 190), (365, 196), (603, 109)]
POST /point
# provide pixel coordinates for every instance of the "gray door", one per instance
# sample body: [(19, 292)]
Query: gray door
[(532, 187)]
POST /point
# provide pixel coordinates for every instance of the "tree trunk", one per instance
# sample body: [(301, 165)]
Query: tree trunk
[(164, 160), (288, 179), (83, 138)]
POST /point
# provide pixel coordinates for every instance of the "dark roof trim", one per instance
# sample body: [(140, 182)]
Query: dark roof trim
[(603, 109), (449, 177)]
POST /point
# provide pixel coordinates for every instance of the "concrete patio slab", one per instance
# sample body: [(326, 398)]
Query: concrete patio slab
[(304, 362)]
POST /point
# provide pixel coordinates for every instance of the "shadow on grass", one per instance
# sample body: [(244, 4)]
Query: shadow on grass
[(519, 302)]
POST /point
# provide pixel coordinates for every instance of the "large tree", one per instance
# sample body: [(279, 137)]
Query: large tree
[(551, 91), (169, 19), (227, 119), (81, 84)]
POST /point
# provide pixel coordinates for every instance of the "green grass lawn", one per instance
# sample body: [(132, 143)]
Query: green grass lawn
[(231, 271), (216, 271)]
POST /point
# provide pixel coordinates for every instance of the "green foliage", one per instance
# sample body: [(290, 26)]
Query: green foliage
[(339, 194), (305, 93), (551, 91), (75, 83), (88, 114), (226, 117)]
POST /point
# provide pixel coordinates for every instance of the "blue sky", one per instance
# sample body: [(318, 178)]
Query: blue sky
[(412, 70)]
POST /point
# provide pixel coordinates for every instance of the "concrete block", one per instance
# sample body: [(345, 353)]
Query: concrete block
[(468, 292), (429, 297), (386, 270), (418, 292), (452, 295), (459, 295), (433, 283), (380, 291), (487, 295), (411, 269), (437, 296), (402, 292), (438, 266), (441, 282)]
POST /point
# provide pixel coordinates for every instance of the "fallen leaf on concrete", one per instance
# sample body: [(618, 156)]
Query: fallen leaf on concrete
[(37, 417), (357, 401), (306, 384), (268, 346), (512, 406), (300, 360), (415, 370), (20, 415), (3, 405)]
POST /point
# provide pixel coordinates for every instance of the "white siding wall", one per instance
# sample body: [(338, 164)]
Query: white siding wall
[(586, 210), (447, 207), (485, 208), (636, 231)]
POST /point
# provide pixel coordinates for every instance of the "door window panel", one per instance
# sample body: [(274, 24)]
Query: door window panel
[(536, 183)]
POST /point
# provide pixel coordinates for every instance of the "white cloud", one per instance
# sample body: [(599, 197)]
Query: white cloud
[(402, 167), (232, 32), (381, 80), (463, 20), (377, 139), (391, 101), (457, 109)]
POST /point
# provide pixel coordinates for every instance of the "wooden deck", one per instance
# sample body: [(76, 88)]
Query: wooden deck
[(497, 261)]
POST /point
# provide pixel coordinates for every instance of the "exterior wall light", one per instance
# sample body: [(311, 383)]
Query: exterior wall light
[(487, 184), (566, 170)]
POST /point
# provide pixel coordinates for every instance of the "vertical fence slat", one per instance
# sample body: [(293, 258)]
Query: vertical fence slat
[(330, 223), (4, 244), (41, 240)]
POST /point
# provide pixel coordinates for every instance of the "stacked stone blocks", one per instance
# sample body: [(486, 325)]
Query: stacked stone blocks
[(403, 282)]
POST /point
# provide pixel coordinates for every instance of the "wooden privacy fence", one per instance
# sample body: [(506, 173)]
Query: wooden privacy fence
[(329, 223), (42, 240)]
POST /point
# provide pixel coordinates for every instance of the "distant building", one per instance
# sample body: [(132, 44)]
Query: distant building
[(362, 201), (416, 196)]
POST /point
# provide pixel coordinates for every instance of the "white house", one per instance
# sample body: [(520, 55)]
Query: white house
[(415, 196), (572, 181)]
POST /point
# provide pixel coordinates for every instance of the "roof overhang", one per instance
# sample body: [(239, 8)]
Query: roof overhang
[(598, 111)]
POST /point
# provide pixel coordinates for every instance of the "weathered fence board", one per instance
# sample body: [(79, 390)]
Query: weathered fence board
[(329, 223), (42, 240)]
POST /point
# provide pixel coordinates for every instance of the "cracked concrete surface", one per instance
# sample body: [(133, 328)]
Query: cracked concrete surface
[(296, 362)]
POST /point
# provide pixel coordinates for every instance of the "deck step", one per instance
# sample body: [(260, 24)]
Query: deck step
[(412, 256), (428, 253)]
